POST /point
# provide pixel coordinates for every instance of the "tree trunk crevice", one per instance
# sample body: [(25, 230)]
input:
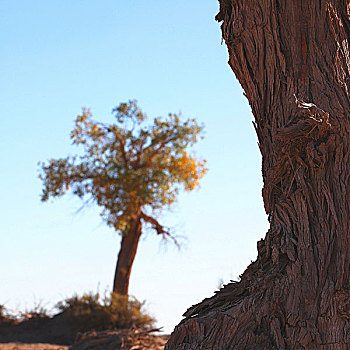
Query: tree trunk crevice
[(292, 60)]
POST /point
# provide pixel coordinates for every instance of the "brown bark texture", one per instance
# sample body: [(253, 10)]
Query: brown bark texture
[(292, 60), (126, 257)]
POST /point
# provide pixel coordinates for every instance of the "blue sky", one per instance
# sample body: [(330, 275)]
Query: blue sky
[(59, 56)]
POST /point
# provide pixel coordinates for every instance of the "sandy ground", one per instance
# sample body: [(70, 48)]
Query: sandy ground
[(39, 346)]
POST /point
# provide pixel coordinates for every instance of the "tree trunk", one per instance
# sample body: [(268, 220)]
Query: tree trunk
[(126, 256), (296, 295)]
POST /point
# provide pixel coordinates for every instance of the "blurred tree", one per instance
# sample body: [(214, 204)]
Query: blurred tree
[(132, 169)]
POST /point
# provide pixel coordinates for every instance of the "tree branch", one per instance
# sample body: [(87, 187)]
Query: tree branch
[(122, 149), (160, 229), (155, 152)]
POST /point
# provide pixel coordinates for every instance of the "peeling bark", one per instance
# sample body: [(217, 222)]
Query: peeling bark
[(292, 60)]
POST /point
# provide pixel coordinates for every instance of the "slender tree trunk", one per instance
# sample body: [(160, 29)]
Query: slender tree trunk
[(296, 295), (126, 256)]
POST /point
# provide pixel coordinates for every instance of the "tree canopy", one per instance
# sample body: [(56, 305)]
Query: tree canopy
[(127, 165)]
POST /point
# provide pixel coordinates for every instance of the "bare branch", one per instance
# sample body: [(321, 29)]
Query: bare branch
[(160, 229)]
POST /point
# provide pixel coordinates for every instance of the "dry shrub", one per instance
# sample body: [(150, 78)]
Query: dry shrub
[(91, 312), (37, 311), (6, 319)]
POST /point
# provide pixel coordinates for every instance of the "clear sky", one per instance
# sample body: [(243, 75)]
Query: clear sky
[(58, 56)]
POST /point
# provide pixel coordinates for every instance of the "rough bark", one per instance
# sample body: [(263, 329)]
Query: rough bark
[(126, 257), (292, 60)]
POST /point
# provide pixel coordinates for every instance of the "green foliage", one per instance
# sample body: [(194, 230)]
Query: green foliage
[(128, 166), (115, 311)]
